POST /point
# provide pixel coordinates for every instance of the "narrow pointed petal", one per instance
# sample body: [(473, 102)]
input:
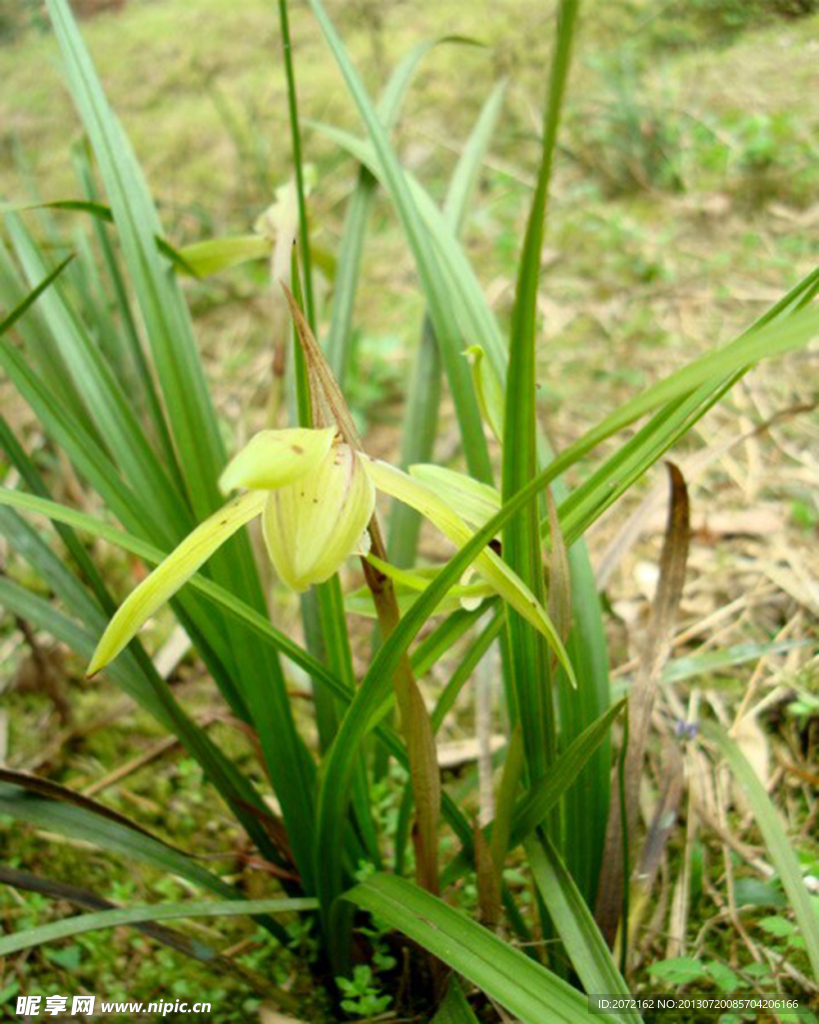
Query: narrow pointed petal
[(488, 389), (274, 458), (469, 590), (505, 582), (312, 525), (172, 574), (472, 500)]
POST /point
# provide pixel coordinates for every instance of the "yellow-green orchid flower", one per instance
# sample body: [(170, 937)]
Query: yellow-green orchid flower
[(316, 497), (315, 500)]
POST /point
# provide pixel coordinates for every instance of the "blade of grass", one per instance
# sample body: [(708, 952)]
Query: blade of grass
[(588, 953), (423, 400), (166, 319), (22, 308), (41, 352), (101, 392), (520, 985), (779, 846), (532, 808), (33, 480), (338, 344), (83, 923), (90, 901), (531, 700), (454, 1009), (446, 328), (441, 639), (131, 339), (693, 665), (586, 802), (54, 791), (459, 282), (104, 831), (295, 141)]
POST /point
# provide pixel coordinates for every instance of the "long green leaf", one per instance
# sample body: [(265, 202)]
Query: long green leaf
[(22, 308), (166, 319), (531, 700), (693, 665), (137, 915), (589, 955), (446, 328), (194, 427), (91, 826), (780, 848), (37, 344), (194, 948), (144, 384), (454, 1009), (102, 394), (338, 343), (523, 987), (534, 806), (477, 322), (423, 399)]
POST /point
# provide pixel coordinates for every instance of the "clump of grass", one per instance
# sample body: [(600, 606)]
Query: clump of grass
[(630, 142)]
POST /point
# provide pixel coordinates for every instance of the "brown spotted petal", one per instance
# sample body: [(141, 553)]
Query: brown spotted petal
[(273, 458)]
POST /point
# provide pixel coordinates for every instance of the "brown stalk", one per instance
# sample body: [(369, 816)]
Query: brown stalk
[(330, 409), (488, 878), (641, 701), (560, 581)]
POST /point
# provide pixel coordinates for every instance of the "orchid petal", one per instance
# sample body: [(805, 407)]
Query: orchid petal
[(173, 573), (472, 500), (275, 458), (488, 389), (312, 525), (420, 579), (505, 582)]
